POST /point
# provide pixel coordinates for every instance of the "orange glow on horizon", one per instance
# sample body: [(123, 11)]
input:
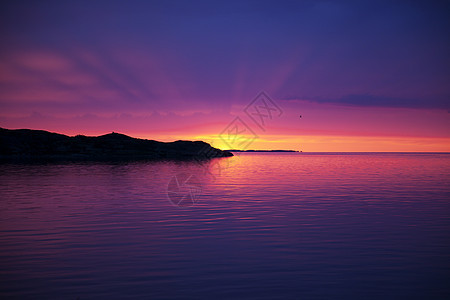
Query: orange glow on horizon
[(323, 143), (306, 143)]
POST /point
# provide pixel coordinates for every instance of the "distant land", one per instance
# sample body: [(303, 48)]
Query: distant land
[(27, 143), (263, 151)]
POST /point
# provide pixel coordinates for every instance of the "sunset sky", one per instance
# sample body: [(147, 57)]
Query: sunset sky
[(363, 75)]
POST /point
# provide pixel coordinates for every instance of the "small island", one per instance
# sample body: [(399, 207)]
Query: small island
[(40, 144)]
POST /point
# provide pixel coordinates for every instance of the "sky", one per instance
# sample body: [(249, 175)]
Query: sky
[(334, 75)]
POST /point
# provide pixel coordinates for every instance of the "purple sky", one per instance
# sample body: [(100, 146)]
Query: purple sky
[(201, 61)]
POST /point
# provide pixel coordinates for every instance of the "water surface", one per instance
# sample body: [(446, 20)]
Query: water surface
[(262, 226)]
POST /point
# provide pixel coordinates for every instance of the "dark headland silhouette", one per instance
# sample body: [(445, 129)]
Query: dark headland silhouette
[(32, 144)]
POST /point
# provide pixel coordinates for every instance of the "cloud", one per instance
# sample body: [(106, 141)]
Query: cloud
[(366, 100)]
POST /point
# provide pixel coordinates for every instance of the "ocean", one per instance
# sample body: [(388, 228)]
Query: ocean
[(252, 226)]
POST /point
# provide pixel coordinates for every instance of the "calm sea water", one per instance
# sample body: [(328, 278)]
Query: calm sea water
[(254, 226)]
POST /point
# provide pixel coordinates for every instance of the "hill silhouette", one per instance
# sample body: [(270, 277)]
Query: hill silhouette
[(43, 144)]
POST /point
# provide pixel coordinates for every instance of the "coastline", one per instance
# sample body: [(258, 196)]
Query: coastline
[(27, 144)]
